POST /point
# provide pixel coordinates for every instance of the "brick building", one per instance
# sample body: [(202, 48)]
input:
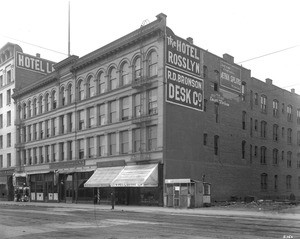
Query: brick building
[(151, 117)]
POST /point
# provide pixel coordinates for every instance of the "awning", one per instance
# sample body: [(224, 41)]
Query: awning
[(103, 177), (20, 174), (38, 172), (145, 175), (179, 180)]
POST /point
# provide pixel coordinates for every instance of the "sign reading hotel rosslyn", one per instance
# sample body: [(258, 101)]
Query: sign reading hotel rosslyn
[(230, 77), (33, 63), (183, 70)]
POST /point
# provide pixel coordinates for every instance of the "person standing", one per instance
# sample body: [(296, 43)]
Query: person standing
[(112, 196)]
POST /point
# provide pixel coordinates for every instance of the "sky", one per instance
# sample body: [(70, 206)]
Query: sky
[(245, 29)]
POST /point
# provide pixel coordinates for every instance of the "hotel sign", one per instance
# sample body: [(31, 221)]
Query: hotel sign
[(33, 63), (230, 77), (183, 70)]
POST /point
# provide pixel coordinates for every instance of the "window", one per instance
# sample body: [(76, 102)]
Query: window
[(8, 160), (8, 140), (275, 132), (112, 143), (205, 71), (124, 74), (263, 129), (47, 154), (263, 103), (275, 108), (41, 130), (34, 129), (8, 117), (125, 108), (90, 87), (275, 182), (54, 100), (1, 161), (8, 76), (289, 136), (137, 105), (217, 79), (204, 139), (298, 116), (217, 112), (288, 182), (250, 153), (29, 133), (69, 122), (136, 140), (1, 141), (81, 119), (255, 151), (29, 108), (256, 98), (244, 120), (243, 91), (264, 181), (41, 105), (282, 155), (205, 105), (289, 159), (62, 124), (112, 76), (80, 148), (124, 142), (70, 150), (152, 107), (112, 112), (47, 103), (215, 86), (137, 71), (282, 132), (1, 121), (61, 152), (53, 148), (91, 117), (256, 125), (263, 152), (101, 83), (289, 113), (1, 80), (70, 94), (243, 149), (152, 138), (298, 137), (101, 140), (62, 96), (91, 148), (282, 110), (275, 156), (1, 100), (8, 97), (152, 64), (101, 109), (80, 87), (54, 126), (216, 145), (34, 107)]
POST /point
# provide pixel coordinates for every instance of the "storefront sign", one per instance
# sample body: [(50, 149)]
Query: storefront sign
[(33, 63), (230, 77), (184, 89), (218, 99), (67, 164), (6, 172)]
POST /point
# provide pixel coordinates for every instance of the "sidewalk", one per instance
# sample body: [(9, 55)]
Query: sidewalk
[(207, 211)]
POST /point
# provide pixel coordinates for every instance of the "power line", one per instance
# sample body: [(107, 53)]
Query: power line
[(268, 54), (48, 49)]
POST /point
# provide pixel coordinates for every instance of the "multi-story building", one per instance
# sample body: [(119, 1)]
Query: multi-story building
[(17, 70), (151, 117)]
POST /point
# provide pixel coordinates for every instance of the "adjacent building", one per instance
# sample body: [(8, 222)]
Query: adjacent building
[(156, 120)]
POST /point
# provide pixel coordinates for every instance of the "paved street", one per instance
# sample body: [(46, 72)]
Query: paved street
[(41, 220)]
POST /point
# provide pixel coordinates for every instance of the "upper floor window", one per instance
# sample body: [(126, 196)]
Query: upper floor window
[(8, 76), (152, 64), (152, 101), (217, 112), (263, 129), (243, 91), (243, 149), (54, 100), (137, 105), (1, 100), (29, 108), (275, 156), (137, 69), (264, 181), (91, 116), (216, 145), (24, 111), (244, 120), (70, 94), (101, 83), (298, 116), (62, 96), (80, 87), (289, 159), (101, 110), (112, 143), (256, 98), (263, 155), (8, 98), (275, 108), (263, 103), (47, 103), (125, 108), (112, 76), (81, 119), (90, 86), (288, 182), (124, 72), (41, 105), (204, 71), (34, 107), (152, 138), (275, 132), (112, 112), (8, 118), (289, 136), (289, 112), (1, 80), (124, 142)]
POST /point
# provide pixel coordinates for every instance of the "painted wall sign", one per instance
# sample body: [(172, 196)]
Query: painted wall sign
[(218, 99), (33, 63), (230, 77), (181, 54), (184, 89)]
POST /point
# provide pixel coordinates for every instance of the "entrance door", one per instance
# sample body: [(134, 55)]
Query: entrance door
[(69, 189), (176, 197)]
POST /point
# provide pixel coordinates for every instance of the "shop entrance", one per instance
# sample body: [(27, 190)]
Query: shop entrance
[(69, 189)]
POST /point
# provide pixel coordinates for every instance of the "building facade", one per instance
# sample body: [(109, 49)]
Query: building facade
[(17, 70), (151, 118)]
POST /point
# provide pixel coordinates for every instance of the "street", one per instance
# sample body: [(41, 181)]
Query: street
[(26, 220)]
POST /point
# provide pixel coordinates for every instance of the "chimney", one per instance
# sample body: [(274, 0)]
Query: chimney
[(161, 16), (293, 91), (190, 40), (269, 81), (38, 55), (228, 58)]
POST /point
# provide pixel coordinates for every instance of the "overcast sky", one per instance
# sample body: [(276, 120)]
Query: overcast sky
[(244, 29)]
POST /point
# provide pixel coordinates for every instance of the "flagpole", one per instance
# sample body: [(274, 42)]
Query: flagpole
[(69, 31)]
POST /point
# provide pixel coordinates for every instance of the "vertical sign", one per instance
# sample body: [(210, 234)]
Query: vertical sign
[(230, 77), (183, 70)]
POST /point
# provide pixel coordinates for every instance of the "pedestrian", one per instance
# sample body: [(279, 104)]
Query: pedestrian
[(112, 196)]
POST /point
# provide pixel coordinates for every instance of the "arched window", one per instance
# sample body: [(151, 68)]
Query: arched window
[(112, 76), (101, 83), (90, 86), (288, 182), (152, 64), (62, 96), (124, 74), (275, 108), (34, 106), (263, 155), (263, 103), (289, 110), (275, 156), (54, 100), (47, 103), (137, 69), (263, 129), (289, 159), (24, 110), (289, 136), (70, 94), (29, 108), (264, 181), (41, 105), (80, 88)]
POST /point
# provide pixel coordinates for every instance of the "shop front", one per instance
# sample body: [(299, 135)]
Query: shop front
[(6, 185)]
